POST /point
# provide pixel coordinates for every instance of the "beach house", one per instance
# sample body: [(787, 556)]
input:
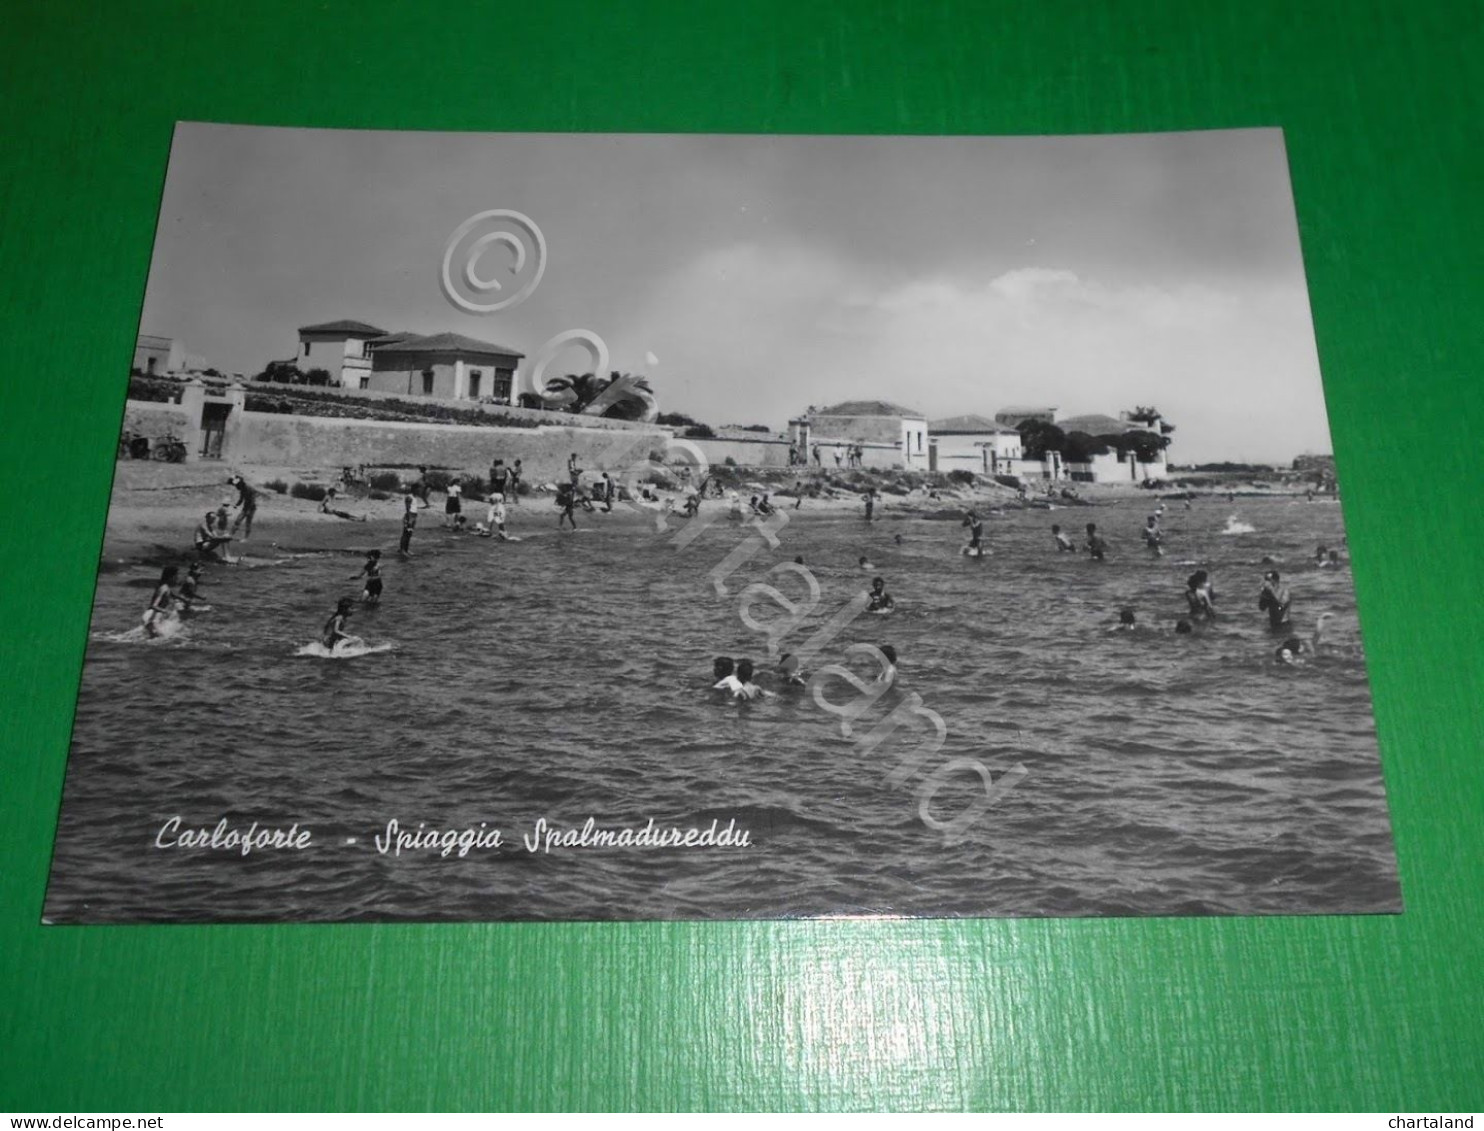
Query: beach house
[(448, 366), (156, 355), (889, 435), (339, 348), (974, 443)]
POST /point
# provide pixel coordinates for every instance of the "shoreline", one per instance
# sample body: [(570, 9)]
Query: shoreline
[(154, 507)]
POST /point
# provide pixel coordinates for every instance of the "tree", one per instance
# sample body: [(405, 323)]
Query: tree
[(1037, 437), (1146, 446), (1148, 414), (317, 377), (1080, 447)]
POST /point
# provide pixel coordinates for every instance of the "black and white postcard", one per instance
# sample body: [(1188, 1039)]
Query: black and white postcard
[(590, 527)]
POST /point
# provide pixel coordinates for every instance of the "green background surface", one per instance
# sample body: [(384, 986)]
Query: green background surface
[(1382, 107)]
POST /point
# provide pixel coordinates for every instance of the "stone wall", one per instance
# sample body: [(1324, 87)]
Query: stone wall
[(278, 439)]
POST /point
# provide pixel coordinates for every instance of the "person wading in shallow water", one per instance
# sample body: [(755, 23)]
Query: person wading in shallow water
[(161, 603), (409, 524), (1275, 600)]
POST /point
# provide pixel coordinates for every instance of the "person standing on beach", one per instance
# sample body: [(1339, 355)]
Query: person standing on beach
[(247, 506), (817, 462), (409, 524), (870, 497), (798, 493), (499, 478), (515, 473), (839, 452), (421, 487), (607, 491)]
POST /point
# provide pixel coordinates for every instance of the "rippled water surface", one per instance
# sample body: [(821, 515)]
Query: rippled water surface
[(566, 677)]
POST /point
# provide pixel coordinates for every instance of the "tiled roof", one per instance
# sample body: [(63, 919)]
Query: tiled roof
[(867, 408), (344, 326), (1099, 424), (968, 423), (444, 343)]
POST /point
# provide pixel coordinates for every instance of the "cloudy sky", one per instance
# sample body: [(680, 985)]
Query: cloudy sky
[(766, 274)]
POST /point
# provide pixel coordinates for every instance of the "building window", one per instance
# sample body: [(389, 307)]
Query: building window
[(476, 378), (306, 349), (365, 380), (427, 382)]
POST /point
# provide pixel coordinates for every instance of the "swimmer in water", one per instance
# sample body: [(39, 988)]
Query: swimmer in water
[(1200, 596), (371, 571), (566, 499), (870, 499), (1274, 599), (1096, 545), (722, 670), (864, 564), (798, 559), (1127, 621), (1183, 628), (878, 600), (409, 524), (1289, 652), (1333, 561), (495, 517), (1153, 536), (161, 602), (746, 688), (788, 671), (888, 674), (897, 538), (1063, 543), (976, 533), (334, 634)]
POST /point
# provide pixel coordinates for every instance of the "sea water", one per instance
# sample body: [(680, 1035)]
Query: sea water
[(567, 679)]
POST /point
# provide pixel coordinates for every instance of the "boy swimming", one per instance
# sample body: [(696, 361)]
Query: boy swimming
[(788, 671), (371, 571), (161, 603), (878, 600), (1063, 543), (334, 634), (746, 688)]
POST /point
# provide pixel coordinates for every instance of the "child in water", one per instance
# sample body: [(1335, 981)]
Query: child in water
[(161, 603), (371, 571), (1288, 652), (746, 688), (1127, 621), (878, 599), (1063, 543), (334, 634), (1096, 546), (888, 674), (864, 563), (721, 670), (1200, 596), (1153, 536), (186, 594)]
